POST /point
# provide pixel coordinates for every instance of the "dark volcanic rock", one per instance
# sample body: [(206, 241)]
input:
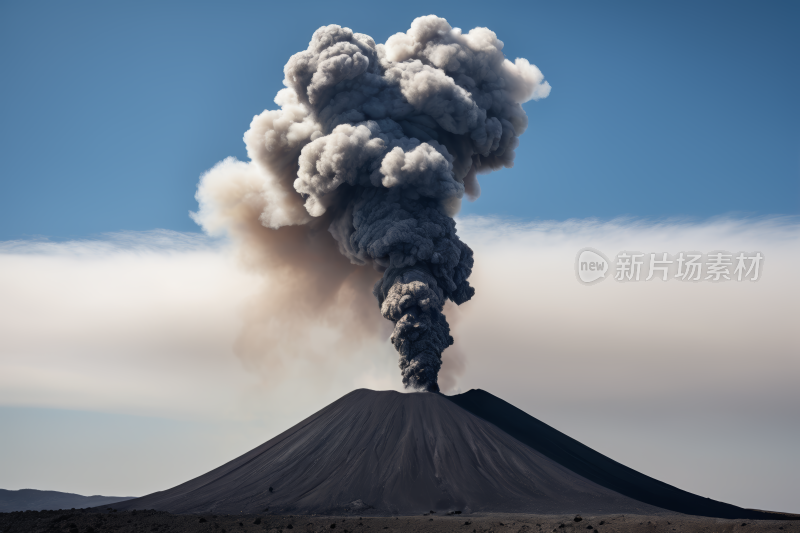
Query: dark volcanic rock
[(387, 453), (592, 465), (397, 453)]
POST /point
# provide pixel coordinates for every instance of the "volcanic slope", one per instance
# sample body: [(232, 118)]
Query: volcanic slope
[(385, 453)]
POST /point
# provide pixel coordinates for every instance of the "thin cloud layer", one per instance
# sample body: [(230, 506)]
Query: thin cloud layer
[(689, 383), (145, 323)]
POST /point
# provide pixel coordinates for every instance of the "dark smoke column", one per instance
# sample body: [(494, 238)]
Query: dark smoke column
[(380, 143)]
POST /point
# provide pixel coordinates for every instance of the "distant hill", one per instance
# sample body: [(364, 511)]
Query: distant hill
[(41, 500)]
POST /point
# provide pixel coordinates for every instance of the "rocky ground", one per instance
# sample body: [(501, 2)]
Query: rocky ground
[(96, 521)]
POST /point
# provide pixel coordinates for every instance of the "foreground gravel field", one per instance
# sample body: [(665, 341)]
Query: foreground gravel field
[(96, 521)]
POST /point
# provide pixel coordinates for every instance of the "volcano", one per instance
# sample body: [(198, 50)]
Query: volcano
[(387, 453)]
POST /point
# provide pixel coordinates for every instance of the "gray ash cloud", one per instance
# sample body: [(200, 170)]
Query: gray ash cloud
[(378, 144)]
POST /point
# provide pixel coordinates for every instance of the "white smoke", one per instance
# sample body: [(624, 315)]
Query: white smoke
[(363, 165)]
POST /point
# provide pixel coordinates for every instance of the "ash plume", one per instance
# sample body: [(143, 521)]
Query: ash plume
[(365, 164)]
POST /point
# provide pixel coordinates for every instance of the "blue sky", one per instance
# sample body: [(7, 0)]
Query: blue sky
[(110, 112), (687, 111)]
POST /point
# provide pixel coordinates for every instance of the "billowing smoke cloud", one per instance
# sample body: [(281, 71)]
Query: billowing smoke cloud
[(365, 164)]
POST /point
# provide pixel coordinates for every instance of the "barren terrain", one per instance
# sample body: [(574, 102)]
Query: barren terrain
[(94, 521)]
